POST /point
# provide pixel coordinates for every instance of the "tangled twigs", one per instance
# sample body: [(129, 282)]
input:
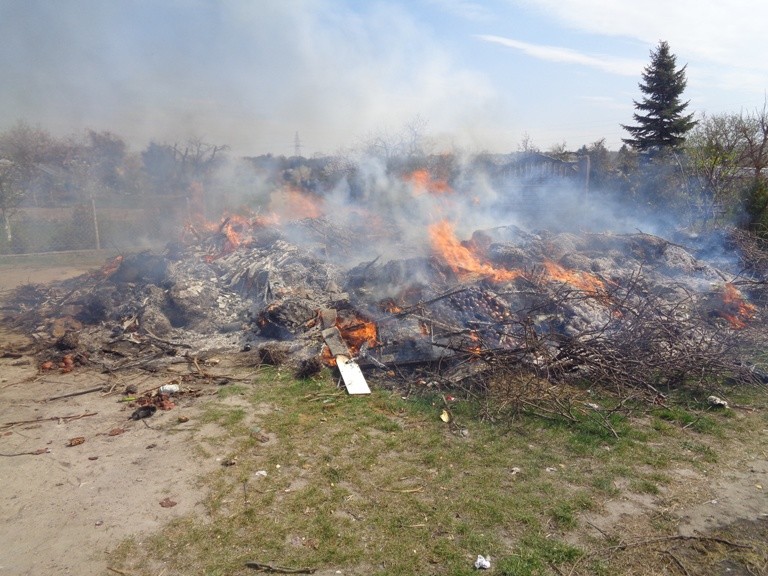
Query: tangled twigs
[(672, 538), (650, 541)]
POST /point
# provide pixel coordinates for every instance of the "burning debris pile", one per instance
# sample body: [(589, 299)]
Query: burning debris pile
[(624, 311)]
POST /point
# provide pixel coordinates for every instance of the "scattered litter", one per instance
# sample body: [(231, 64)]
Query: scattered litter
[(262, 473), (717, 402), (99, 522), (551, 469), (167, 503), (143, 412), (592, 405), (445, 416), (515, 470), (76, 441), (482, 563), (170, 389)]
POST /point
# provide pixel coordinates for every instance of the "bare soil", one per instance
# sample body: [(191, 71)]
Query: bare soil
[(63, 508)]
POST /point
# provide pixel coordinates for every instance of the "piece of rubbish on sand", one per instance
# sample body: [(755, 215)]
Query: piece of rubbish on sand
[(143, 412)]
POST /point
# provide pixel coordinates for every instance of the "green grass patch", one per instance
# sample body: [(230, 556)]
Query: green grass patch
[(381, 485)]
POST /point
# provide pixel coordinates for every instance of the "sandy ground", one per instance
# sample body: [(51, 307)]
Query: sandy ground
[(63, 508)]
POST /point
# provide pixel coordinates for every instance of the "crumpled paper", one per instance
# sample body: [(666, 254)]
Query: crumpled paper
[(482, 563)]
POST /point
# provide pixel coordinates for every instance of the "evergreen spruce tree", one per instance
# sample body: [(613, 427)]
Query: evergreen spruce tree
[(661, 124)]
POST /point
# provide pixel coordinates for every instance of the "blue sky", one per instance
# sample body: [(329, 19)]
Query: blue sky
[(482, 75)]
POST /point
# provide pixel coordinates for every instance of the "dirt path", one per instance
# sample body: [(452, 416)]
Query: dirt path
[(63, 509)]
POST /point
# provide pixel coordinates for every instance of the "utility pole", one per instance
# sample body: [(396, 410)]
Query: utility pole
[(296, 145)]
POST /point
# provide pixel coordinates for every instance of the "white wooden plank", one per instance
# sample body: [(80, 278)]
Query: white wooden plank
[(352, 376)]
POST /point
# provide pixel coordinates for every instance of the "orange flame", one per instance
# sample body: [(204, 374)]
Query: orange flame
[(474, 346), (462, 260), (112, 265), (356, 331), (235, 228), (576, 278), (422, 181), (736, 311)]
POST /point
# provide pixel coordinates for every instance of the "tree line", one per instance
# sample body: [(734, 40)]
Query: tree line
[(712, 169)]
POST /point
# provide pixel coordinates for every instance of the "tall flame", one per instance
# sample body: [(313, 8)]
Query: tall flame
[(462, 260)]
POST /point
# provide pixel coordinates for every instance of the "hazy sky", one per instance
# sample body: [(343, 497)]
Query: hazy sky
[(251, 73)]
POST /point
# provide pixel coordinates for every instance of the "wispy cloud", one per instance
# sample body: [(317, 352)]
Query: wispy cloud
[(610, 64), (724, 33), (473, 11)]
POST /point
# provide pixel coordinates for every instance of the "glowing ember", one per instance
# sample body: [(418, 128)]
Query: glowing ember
[(422, 182), (462, 260), (389, 305), (736, 311), (112, 265), (473, 346), (576, 278)]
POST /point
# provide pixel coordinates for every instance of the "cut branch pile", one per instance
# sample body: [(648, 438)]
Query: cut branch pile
[(633, 314)]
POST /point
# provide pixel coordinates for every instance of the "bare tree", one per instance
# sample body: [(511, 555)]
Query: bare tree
[(714, 154), (526, 144), (753, 131)]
